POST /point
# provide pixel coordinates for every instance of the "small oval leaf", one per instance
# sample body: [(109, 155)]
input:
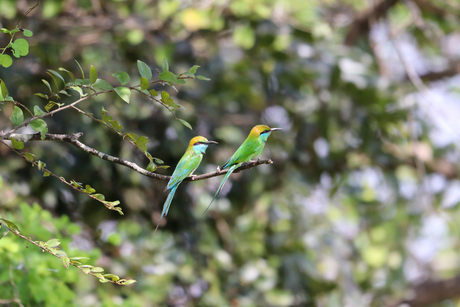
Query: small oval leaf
[(124, 93), (144, 70), (92, 75), (186, 124), (122, 76), (17, 117)]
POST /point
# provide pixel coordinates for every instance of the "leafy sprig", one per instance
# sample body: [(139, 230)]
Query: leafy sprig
[(52, 247)]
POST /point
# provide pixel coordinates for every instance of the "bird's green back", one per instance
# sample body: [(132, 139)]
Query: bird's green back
[(186, 166), (250, 148)]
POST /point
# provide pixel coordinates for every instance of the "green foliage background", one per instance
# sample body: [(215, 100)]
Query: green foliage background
[(359, 203)]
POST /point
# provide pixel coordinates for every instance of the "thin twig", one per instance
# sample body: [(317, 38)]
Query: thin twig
[(108, 204), (25, 123), (27, 13), (45, 249)]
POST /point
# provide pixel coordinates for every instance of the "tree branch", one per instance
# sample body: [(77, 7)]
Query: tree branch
[(430, 292), (362, 24), (73, 139)]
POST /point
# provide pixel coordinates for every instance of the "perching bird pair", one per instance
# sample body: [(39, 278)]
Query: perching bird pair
[(251, 148)]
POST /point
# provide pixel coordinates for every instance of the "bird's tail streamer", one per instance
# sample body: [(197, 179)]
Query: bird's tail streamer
[(230, 171)]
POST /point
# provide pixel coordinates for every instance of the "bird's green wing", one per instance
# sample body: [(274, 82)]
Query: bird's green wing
[(186, 166), (247, 150)]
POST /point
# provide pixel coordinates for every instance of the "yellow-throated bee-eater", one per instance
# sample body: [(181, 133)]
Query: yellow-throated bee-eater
[(186, 166), (251, 148)]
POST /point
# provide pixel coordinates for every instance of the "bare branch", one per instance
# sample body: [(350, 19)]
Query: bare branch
[(431, 292), (108, 204), (73, 139), (361, 25)]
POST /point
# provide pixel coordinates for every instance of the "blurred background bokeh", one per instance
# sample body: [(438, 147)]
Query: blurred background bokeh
[(361, 205)]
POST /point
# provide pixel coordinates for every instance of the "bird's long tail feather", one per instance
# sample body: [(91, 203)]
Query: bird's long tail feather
[(166, 206), (230, 171)]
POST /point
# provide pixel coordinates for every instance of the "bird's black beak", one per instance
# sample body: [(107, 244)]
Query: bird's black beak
[(210, 142), (274, 129)]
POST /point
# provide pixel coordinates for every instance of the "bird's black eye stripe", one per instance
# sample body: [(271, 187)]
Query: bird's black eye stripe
[(265, 131), (198, 143)]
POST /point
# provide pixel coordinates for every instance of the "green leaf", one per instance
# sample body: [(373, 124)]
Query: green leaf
[(102, 85), (124, 93), (6, 31), (27, 33), (141, 141), (3, 230), (79, 258), (57, 74), (39, 125), (82, 72), (76, 184), (144, 83), (64, 92), (170, 77), (79, 90), (92, 75), (54, 79), (163, 166), (41, 95), (97, 269), (50, 105), (5, 60), (21, 46), (112, 276), (41, 165), (159, 161), (88, 189), (164, 96), (99, 196), (122, 76), (48, 85), (17, 117), (46, 174), (169, 102), (131, 136), (65, 261), (3, 90), (144, 70), (81, 82), (17, 144), (193, 69), (70, 73), (167, 76), (53, 243), (151, 167), (185, 123), (29, 156), (119, 210), (153, 93), (129, 282), (10, 224), (112, 203), (203, 78), (165, 65)]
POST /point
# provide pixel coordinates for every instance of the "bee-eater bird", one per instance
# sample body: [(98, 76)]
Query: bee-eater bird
[(251, 148), (186, 166)]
